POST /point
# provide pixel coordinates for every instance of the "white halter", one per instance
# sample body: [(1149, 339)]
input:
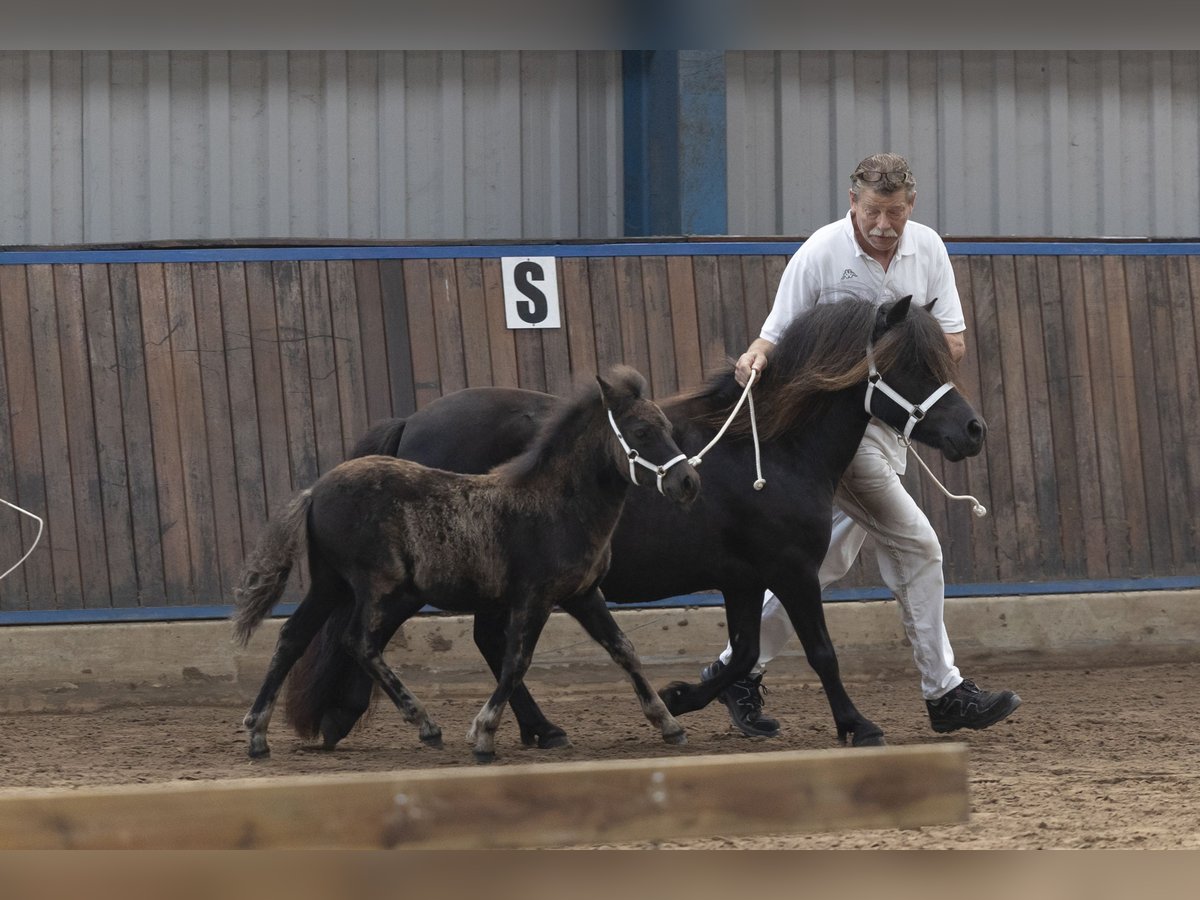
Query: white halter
[(916, 412), (635, 458)]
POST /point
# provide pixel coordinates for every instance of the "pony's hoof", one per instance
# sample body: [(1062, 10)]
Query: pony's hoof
[(868, 739), (554, 739), (672, 697), (676, 737), (483, 757)]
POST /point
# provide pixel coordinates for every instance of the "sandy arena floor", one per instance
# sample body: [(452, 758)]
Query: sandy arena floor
[(1094, 758)]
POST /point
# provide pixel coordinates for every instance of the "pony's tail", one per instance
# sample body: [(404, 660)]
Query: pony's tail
[(265, 573), (327, 682), (381, 439)]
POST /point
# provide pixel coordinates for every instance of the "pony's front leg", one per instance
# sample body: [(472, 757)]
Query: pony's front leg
[(591, 611), (803, 606), (294, 637), (524, 627)]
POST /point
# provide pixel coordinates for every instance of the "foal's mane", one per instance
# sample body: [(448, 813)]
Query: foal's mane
[(823, 350), (559, 434)]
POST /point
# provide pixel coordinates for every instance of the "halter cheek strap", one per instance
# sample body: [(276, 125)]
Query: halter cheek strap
[(916, 411), (635, 458)]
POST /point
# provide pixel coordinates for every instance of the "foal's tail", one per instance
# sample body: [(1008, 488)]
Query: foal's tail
[(265, 572)]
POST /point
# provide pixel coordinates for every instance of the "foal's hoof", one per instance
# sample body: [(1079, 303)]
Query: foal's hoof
[(483, 757), (432, 738), (676, 737), (258, 750)]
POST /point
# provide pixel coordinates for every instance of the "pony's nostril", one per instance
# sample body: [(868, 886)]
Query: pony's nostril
[(977, 429)]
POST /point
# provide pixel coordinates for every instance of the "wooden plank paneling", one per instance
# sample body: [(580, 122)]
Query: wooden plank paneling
[(87, 497), (347, 353), (158, 413), (991, 404), (27, 472), (501, 345), (449, 325), (164, 428), (663, 375), (249, 475), (685, 322), (372, 342), (193, 437), (213, 359), (1145, 415), (577, 308), (1077, 461), (401, 370), (422, 333)]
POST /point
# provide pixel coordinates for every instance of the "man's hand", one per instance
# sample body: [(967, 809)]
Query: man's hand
[(754, 358)]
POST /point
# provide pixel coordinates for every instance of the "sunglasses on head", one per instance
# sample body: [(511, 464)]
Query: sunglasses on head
[(902, 176)]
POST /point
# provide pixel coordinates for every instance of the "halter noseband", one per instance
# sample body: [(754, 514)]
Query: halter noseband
[(635, 458), (916, 411)]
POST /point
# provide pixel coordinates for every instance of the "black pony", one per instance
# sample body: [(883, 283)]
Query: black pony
[(385, 536), (811, 404)]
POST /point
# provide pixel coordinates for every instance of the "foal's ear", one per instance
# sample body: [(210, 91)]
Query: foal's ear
[(623, 385), (929, 305)]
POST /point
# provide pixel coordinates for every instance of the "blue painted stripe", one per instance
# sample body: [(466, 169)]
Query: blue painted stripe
[(636, 248), (840, 595)]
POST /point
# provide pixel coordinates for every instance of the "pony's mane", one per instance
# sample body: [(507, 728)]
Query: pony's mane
[(558, 433), (823, 350)]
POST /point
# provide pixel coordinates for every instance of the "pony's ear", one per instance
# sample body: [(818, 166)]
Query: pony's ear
[(623, 385), (929, 305), (891, 314), (897, 311)]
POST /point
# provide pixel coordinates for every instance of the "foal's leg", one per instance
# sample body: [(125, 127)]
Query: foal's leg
[(294, 637), (591, 611), (525, 626), (535, 727), (378, 621)]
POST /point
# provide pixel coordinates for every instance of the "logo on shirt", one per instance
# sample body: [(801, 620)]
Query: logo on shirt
[(849, 273)]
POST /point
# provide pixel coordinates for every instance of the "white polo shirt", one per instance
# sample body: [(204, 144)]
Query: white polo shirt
[(831, 266)]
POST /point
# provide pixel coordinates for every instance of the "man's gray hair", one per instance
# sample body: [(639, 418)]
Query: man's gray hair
[(884, 173)]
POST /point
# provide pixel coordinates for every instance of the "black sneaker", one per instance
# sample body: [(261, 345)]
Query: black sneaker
[(744, 700), (966, 706)]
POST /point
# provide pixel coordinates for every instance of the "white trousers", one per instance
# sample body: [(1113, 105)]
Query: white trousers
[(871, 499)]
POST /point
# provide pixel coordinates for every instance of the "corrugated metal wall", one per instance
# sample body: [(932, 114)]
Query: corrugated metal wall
[(1028, 143), (100, 146)]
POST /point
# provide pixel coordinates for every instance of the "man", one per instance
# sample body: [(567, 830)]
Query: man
[(877, 252)]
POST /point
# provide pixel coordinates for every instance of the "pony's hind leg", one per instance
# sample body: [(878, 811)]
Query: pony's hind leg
[(591, 611), (294, 636), (489, 632), (367, 643)]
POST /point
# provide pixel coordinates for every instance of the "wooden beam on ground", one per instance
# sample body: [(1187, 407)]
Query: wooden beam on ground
[(529, 805)]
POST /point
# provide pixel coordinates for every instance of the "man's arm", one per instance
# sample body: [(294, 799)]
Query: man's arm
[(956, 342), (755, 357)]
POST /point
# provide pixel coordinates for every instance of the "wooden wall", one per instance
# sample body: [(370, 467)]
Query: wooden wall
[(156, 413)]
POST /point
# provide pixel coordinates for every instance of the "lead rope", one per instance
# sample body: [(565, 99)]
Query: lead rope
[(760, 483), (976, 507), (41, 525)]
